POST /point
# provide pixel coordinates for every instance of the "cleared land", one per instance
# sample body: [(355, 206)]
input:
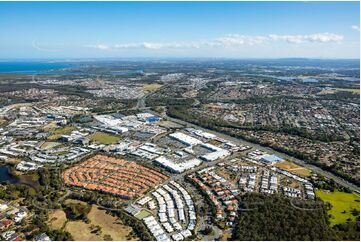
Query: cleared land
[(226, 174), (151, 87), (104, 138), (342, 205), (102, 226), (57, 219), (293, 168), (2, 121), (169, 124), (50, 126), (353, 90), (49, 145)]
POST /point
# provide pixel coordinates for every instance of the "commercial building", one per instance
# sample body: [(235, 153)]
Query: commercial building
[(179, 166), (185, 139), (270, 159)]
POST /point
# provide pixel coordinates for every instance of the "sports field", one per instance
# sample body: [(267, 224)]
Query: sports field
[(293, 168), (342, 205), (142, 214), (104, 138)]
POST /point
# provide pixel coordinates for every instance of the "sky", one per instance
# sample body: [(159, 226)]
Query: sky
[(179, 29)]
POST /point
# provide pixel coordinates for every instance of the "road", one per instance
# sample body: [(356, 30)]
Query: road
[(141, 103), (314, 168)]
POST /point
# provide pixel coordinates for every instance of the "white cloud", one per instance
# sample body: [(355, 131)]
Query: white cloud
[(230, 40), (36, 46), (153, 46), (236, 39), (318, 38), (98, 46), (144, 45), (355, 27)]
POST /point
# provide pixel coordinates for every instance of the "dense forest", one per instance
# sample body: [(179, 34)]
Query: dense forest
[(273, 217)]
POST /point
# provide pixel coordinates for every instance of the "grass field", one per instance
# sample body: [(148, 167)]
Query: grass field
[(142, 214), (110, 227), (215, 142), (226, 236), (50, 126), (169, 124), (13, 161), (74, 201), (104, 138), (57, 218), (56, 133), (342, 204), (2, 122), (353, 90), (293, 168), (151, 87)]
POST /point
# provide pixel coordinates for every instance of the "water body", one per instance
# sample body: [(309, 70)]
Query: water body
[(282, 78), (5, 175), (305, 80), (56, 68), (310, 80), (137, 72), (32, 67)]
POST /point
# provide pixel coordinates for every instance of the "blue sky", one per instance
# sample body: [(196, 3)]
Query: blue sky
[(179, 29)]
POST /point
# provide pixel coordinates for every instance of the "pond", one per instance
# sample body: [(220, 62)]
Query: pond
[(5, 175)]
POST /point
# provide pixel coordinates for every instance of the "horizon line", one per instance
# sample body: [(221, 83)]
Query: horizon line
[(179, 58)]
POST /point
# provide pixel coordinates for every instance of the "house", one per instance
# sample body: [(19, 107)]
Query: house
[(5, 224), (3, 207), (8, 235), (42, 237), (20, 216)]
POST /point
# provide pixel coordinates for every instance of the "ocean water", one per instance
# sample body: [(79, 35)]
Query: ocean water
[(54, 68), (32, 67)]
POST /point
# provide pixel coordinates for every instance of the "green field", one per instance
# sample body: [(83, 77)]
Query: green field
[(142, 214), (342, 204), (104, 138), (63, 130), (58, 132)]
